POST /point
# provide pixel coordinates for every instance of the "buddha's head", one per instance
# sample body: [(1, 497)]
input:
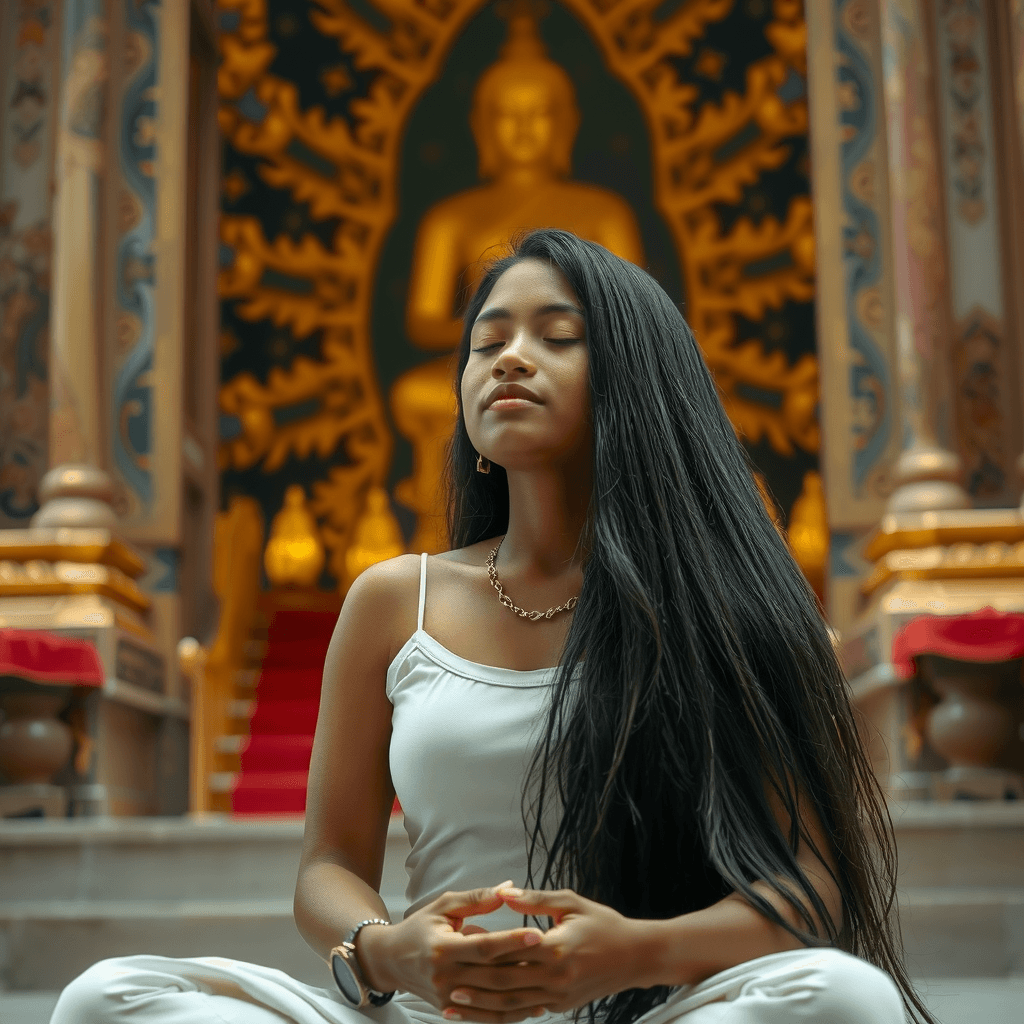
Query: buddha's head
[(524, 108)]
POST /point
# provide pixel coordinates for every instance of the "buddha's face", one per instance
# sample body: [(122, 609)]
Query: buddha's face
[(523, 123)]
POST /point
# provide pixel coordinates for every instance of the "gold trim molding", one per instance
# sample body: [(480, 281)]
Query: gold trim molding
[(38, 578), (67, 544), (901, 531)]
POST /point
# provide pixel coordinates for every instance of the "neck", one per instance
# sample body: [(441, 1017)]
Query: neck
[(527, 176), (547, 512)]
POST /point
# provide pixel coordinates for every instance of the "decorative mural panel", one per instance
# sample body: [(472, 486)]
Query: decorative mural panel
[(330, 170), (29, 48), (1017, 51), (980, 359), (854, 294), (134, 329)]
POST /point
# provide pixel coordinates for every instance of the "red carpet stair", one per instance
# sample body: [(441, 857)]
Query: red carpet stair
[(275, 757)]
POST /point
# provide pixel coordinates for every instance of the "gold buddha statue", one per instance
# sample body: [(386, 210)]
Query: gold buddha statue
[(524, 119)]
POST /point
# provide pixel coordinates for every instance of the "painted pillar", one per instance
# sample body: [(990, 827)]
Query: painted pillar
[(29, 50), (853, 291), (981, 364), (926, 473), (1017, 49), (76, 492)]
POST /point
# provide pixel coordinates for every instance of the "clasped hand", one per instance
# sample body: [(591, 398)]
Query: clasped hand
[(471, 974)]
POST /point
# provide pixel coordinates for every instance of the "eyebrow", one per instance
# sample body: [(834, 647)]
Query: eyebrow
[(500, 313)]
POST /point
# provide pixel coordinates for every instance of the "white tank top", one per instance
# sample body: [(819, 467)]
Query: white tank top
[(462, 738)]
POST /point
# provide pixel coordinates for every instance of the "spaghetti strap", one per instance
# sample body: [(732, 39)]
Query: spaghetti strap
[(423, 590)]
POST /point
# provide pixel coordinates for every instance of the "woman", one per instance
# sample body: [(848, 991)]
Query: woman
[(684, 792)]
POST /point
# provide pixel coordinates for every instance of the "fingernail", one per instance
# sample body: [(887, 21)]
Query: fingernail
[(531, 939), (514, 893), (452, 1015), (460, 997), (502, 885)]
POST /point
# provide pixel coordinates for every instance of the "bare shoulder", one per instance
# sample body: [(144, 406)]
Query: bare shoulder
[(382, 602)]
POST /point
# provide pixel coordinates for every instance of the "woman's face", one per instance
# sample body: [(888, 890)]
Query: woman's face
[(526, 387)]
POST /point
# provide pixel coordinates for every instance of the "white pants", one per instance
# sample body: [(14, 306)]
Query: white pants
[(823, 986)]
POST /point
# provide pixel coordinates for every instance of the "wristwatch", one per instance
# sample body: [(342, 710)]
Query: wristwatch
[(348, 976)]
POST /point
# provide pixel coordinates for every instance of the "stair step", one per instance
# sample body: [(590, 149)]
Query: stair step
[(222, 782), (276, 753), (230, 744), (247, 678), (272, 780), (241, 708), (223, 885), (285, 717), (290, 683)]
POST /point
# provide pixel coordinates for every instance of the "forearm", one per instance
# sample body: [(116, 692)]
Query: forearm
[(685, 950), (329, 901)]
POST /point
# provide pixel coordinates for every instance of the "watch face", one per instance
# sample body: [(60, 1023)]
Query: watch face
[(346, 980)]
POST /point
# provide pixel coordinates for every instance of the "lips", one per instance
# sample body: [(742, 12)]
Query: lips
[(510, 391)]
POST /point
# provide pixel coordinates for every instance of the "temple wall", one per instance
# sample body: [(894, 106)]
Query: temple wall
[(985, 340)]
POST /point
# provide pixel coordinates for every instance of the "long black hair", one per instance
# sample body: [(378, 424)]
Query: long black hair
[(710, 687)]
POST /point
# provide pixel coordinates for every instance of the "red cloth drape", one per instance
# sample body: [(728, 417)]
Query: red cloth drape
[(49, 658), (985, 635)]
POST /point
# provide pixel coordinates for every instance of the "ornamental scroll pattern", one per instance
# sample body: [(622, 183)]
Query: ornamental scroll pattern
[(30, 43), (132, 386), (862, 159), (326, 404), (704, 158)]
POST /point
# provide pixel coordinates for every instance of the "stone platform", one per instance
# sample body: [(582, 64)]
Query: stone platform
[(179, 887)]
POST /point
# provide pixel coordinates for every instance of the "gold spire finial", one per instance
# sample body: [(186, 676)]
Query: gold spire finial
[(376, 536), (295, 553), (523, 42)]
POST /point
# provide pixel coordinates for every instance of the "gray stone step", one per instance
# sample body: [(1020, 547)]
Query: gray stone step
[(96, 888), (961, 888), (179, 887)]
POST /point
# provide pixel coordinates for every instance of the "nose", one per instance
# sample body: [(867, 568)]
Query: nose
[(513, 359)]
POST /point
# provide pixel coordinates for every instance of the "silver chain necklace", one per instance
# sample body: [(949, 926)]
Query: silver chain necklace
[(492, 575)]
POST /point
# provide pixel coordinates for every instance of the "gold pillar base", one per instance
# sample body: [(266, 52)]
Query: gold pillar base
[(81, 582), (76, 496), (927, 479), (925, 563)]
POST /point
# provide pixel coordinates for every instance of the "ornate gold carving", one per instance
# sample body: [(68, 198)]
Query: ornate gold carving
[(702, 157), (524, 121), (808, 531), (295, 554), (238, 541), (377, 536), (706, 156)]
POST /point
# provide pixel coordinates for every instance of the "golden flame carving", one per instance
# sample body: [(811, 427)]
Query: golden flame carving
[(351, 173)]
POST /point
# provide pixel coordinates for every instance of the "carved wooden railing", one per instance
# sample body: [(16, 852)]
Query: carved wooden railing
[(238, 547)]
